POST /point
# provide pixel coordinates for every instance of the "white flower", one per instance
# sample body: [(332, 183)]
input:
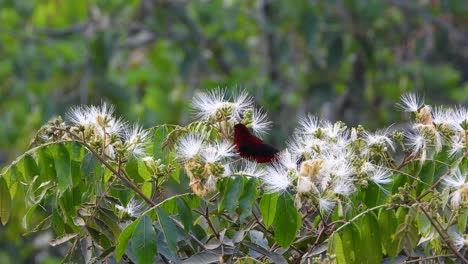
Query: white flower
[(459, 240), (410, 102), (379, 137), (440, 115), (326, 205), (380, 176), (456, 146), (207, 104), (457, 116), (79, 115), (308, 125), (417, 143), (134, 208), (248, 168), (136, 138), (457, 181), (298, 147), (260, 123), (241, 102), (210, 183), (344, 187), (101, 117), (333, 130), (304, 184), (288, 160), (189, 146), (276, 179), (215, 152)]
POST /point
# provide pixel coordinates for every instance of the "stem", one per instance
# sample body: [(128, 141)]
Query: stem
[(421, 259), (356, 217), (441, 232), (131, 184), (430, 189)]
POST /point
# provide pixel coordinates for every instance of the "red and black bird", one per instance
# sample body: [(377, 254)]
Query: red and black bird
[(251, 147)]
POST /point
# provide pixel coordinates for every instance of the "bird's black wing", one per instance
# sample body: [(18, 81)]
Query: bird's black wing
[(258, 150)]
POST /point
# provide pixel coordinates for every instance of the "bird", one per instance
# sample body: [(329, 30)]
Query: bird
[(251, 147)]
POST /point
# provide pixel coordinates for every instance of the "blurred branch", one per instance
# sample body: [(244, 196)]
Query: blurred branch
[(407, 6), (266, 15), (73, 29)]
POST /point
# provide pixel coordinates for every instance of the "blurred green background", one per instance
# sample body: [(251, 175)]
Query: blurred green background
[(344, 60)]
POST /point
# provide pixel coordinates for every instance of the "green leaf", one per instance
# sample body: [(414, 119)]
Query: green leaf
[(62, 167), (88, 164), (46, 164), (170, 206), (144, 243), (287, 222), (273, 256), (387, 226), (30, 167), (335, 246), (169, 229), (124, 237), (268, 208), (5, 202), (247, 198), (132, 170), (350, 236), (370, 245), (461, 219), (233, 193), (426, 175), (204, 257), (185, 214)]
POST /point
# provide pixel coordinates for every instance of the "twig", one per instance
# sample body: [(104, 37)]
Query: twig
[(420, 259), (441, 232)]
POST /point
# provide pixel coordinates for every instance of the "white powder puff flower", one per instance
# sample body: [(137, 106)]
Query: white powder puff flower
[(457, 181), (457, 116), (288, 160), (101, 117), (456, 146), (298, 146), (276, 179), (326, 204), (304, 184), (79, 115), (410, 102), (380, 176), (416, 142), (134, 208), (440, 115), (379, 137), (459, 240), (248, 168), (333, 131), (189, 146), (308, 125), (344, 187), (207, 104), (216, 152), (135, 139), (260, 124), (241, 102)]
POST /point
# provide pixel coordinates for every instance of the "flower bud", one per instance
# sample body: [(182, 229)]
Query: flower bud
[(310, 167)]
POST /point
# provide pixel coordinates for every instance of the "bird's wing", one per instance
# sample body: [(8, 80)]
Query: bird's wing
[(257, 150)]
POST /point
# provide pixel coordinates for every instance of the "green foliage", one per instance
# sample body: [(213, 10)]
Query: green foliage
[(148, 58)]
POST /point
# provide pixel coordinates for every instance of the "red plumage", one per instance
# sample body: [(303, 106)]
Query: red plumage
[(251, 147)]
